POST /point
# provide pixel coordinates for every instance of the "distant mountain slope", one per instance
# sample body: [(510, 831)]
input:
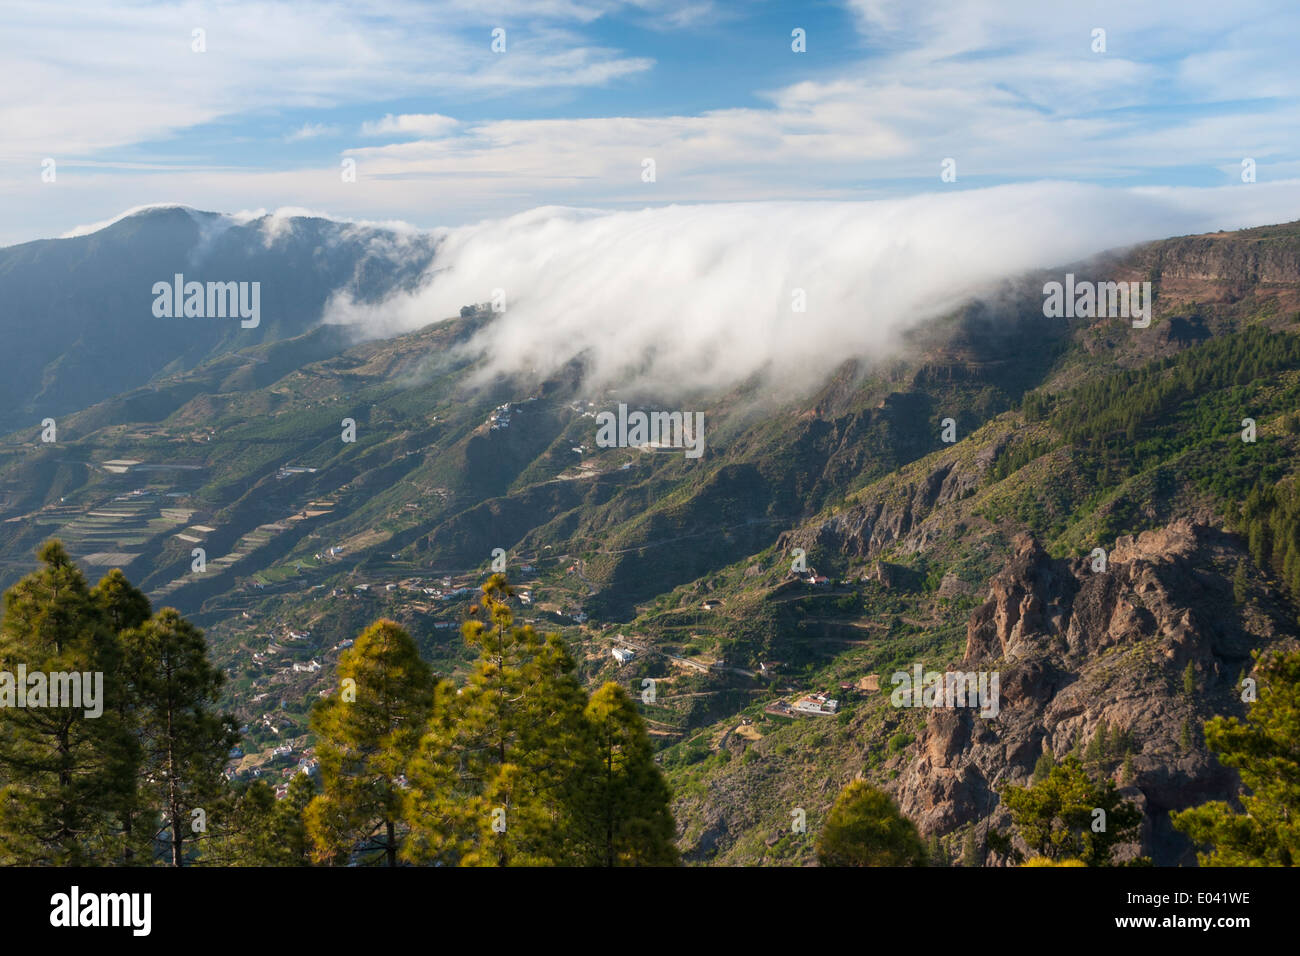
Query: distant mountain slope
[(77, 317)]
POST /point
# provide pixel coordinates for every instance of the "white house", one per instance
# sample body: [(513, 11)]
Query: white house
[(818, 704)]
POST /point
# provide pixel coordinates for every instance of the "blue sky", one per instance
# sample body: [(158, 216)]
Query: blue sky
[(445, 131)]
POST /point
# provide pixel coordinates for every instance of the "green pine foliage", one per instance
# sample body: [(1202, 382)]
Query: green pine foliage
[(366, 732), (134, 782), (1141, 410), (516, 767), (865, 828), (125, 607), (1044, 765), (1262, 748), (938, 852), (58, 767), (265, 832), (183, 738), (1056, 817), (623, 812), (1270, 520), (1240, 584), (122, 603), (1184, 413), (1019, 454), (496, 779), (291, 843), (1036, 405)]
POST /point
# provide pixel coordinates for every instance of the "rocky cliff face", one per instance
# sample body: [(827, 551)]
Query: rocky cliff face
[(898, 513), (1253, 254), (1075, 647), (1224, 268)]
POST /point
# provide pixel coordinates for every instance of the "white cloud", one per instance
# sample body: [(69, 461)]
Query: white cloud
[(419, 124), (312, 131), (275, 224), (687, 297), (88, 228), (99, 75), (1011, 91)]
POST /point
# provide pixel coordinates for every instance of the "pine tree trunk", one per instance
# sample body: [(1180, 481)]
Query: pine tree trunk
[(609, 811), (173, 802), (65, 839), (173, 797)]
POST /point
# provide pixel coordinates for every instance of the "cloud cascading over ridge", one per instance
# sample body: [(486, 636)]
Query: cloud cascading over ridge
[(703, 296)]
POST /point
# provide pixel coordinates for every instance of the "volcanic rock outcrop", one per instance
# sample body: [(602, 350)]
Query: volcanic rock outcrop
[(1078, 649)]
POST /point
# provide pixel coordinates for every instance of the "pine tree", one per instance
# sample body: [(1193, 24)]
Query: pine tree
[(246, 838), (971, 853), (1255, 537), (1098, 749), (264, 831), (124, 607), (624, 817), (184, 740), (1189, 679), (1055, 816), (1263, 751), (366, 732), (1044, 765), (60, 768), (289, 823), (1240, 584), (122, 603), (494, 781), (938, 852), (865, 828)]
